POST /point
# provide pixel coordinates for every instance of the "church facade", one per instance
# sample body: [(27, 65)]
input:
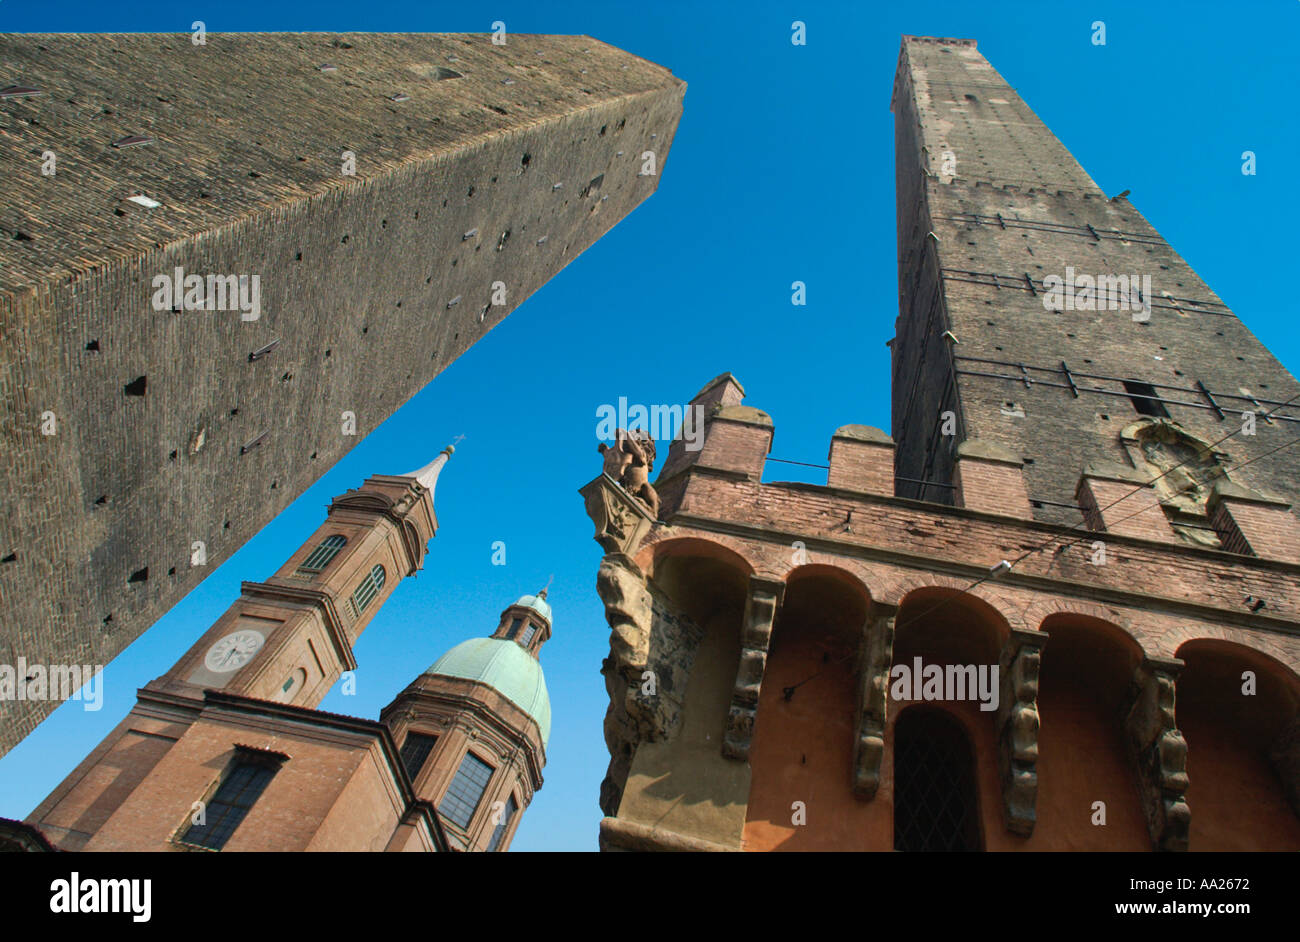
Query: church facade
[(1056, 609), (227, 751)]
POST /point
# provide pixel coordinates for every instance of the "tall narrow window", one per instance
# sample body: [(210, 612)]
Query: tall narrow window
[(499, 832), (528, 634), (1145, 399), (415, 751), (369, 588), (320, 557), (243, 785), (513, 631), (935, 806), (466, 791)]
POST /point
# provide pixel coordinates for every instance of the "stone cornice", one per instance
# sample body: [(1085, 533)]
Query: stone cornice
[(323, 602)]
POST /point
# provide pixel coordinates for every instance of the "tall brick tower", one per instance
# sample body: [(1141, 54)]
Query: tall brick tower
[(226, 751), (991, 208), (1059, 609), (223, 264)]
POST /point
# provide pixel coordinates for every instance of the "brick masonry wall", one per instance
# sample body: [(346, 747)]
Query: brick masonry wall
[(992, 487), (386, 274), (1160, 593)]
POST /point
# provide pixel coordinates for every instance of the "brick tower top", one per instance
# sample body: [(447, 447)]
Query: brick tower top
[(1040, 316)]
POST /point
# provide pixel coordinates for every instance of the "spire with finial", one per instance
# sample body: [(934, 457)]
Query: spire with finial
[(428, 475)]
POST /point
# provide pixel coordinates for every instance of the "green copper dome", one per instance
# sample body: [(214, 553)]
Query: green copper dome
[(505, 667), (537, 603)]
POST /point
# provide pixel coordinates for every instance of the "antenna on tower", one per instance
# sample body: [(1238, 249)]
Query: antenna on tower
[(546, 588)]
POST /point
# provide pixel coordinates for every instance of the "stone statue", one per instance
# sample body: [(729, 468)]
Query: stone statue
[(629, 462)]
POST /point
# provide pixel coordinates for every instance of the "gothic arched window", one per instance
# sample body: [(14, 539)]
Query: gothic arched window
[(935, 806), (320, 557), (369, 588)]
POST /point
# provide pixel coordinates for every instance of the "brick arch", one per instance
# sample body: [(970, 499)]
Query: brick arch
[(897, 591), (1287, 661), (719, 546), (862, 578), (1173, 640), (1037, 613)]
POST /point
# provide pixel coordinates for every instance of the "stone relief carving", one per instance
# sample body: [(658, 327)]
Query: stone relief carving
[(877, 653), (1159, 753), (1017, 724)]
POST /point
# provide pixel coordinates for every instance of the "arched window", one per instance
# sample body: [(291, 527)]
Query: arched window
[(320, 557), (935, 805), (369, 588)]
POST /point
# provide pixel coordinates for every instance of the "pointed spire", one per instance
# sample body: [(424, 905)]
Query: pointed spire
[(428, 475)]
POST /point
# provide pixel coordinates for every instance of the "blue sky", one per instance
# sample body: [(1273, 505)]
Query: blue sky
[(782, 170)]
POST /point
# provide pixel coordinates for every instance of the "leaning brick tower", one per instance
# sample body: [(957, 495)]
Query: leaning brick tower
[(384, 199)]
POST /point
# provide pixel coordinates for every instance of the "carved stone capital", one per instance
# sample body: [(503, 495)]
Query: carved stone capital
[(1017, 725), (621, 520), (756, 635), (876, 653), (1159, 752)]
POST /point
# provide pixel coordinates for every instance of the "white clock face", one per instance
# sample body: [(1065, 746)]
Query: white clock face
[(233, 651)]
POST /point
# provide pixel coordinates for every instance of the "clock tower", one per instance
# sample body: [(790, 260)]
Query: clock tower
[(289, 638), (226, 750)]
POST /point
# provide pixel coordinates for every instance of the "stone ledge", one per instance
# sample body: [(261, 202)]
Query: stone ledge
[(982, 450), (744, 415), (1231, 491), (628, 835), (1110, 471), (863, 433)]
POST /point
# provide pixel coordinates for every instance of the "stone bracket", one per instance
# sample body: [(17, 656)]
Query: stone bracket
[(1159, 753), (1017, 728), (876, 654), (761, 606), (621, 520)]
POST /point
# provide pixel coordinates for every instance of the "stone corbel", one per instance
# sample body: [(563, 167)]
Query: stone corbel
[(1159, 753), (756, 634), (1285, 755), (876, 653), (621, 520), (1017, 726)]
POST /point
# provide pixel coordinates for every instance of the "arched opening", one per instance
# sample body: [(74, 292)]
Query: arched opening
[(1083, 696), (936, 804), (802, 749), (682, 782), (1232, 724), (947, 646)]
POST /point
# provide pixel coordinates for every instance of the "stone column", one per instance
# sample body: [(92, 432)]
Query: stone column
[(756, 634), (876, 655), (1017, 725), (1159, 753)]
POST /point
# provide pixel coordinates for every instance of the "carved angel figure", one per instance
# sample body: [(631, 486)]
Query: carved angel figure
[(629, 462)]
